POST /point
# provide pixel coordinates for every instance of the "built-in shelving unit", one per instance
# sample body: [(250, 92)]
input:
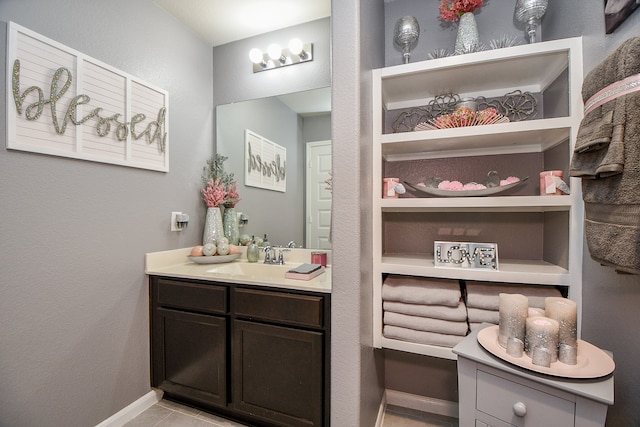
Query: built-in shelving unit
[(553, 71)]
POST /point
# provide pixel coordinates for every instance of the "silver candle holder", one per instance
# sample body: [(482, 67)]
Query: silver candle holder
[(530, 12), (405, 36)]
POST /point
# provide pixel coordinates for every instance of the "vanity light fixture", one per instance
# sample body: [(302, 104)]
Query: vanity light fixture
[(276, 57)]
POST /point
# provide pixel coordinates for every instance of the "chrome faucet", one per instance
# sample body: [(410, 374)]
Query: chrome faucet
[(291, 244), (270, 255), (281, 255)]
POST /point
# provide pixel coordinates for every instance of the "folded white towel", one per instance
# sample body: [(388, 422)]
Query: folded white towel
[(479, 315), (482, 295), (421, 290), (456, 314), (421, 337), (426, 324), (474, 326)]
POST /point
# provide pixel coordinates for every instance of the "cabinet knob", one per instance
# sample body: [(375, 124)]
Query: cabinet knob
[(520, 409)]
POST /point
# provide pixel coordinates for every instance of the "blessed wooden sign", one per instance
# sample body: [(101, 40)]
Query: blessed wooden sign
[(64, 103)]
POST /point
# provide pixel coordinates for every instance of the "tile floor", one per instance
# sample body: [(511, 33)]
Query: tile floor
[(170, 414)]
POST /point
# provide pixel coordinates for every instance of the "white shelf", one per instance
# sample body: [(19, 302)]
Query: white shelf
[(533, 68), (531, 136), (510, 271), (424, 349), (527, 67), (478, 204)]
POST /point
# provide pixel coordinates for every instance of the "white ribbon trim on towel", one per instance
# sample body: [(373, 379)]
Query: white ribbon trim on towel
[(614, 90)]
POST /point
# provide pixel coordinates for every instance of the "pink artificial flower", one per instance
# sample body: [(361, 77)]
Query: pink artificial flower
[(452, 10), (509, 180), (215, 194), (450, 185), (232, 195), (473, 186)]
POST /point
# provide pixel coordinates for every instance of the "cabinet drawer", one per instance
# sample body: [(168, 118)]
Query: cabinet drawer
[(497, 397), (305, 310), (191, 296)]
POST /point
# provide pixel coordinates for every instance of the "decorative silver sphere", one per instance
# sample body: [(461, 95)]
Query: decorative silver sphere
[(405, 35), (530, 12)]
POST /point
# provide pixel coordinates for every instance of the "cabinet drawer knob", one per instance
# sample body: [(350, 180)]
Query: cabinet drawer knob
[(520, 409)]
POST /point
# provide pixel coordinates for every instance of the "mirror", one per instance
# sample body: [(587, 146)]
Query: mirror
[(301, 124)]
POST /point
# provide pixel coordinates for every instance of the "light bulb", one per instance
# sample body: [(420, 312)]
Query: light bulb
[(274, 51), (295, 46), (256, 55)]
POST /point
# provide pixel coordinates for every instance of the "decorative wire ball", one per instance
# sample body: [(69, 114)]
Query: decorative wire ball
[(503, 41), (439, 53)]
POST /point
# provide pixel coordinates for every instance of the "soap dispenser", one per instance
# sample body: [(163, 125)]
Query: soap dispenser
[(265, 242), (253, 251)]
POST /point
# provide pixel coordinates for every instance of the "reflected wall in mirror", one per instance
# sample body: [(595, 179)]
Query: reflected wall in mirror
[(300, 122)]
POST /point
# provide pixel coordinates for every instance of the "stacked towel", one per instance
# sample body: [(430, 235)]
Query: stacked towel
[(483, 301), (607, 158), (424, 310), (421, 290)]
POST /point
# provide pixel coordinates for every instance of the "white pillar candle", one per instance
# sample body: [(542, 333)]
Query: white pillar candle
[(515, 347), (565, 312), (533, 311), (513, 315), (542, 332)]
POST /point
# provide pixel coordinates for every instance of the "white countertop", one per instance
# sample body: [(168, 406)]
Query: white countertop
[(174, 263)]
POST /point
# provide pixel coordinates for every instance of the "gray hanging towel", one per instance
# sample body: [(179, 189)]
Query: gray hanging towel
[(607, 158)]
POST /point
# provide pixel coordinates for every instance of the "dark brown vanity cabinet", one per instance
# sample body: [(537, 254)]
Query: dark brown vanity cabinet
[(189, 330), (260, 354), (277, 366)]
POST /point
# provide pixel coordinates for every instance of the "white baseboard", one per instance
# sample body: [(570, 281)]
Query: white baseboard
[(383, 405), (131, 411), (421, 403)]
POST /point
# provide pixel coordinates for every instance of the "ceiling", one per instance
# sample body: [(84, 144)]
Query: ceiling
[(224, 21), (309, 103)]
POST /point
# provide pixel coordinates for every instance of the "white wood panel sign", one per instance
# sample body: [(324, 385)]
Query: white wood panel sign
[(265, 163), (63, 103)]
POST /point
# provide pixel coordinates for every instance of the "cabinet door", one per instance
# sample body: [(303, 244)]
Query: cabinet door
[(277, 373), (189, 355)]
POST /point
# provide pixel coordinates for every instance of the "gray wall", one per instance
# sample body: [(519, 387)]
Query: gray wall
[(356, 370), (233, 81), (610, 301), (73, 295), (316, 128)]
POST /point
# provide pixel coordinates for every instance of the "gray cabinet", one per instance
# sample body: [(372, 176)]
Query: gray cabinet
[(497, 394)]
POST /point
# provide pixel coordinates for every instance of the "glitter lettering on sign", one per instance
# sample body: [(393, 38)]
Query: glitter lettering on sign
[(153, 131)]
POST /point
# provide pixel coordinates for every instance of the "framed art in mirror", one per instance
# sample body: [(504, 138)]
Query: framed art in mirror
[(265, 163)]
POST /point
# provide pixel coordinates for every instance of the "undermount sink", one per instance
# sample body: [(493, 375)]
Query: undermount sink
[(259, 270)]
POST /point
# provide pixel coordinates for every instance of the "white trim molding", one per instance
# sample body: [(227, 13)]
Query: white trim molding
[(421, 403), (132, 410)]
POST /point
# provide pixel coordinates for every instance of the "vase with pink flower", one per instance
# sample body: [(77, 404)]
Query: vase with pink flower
[(220, 191), (230, 219), (461, 11)]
